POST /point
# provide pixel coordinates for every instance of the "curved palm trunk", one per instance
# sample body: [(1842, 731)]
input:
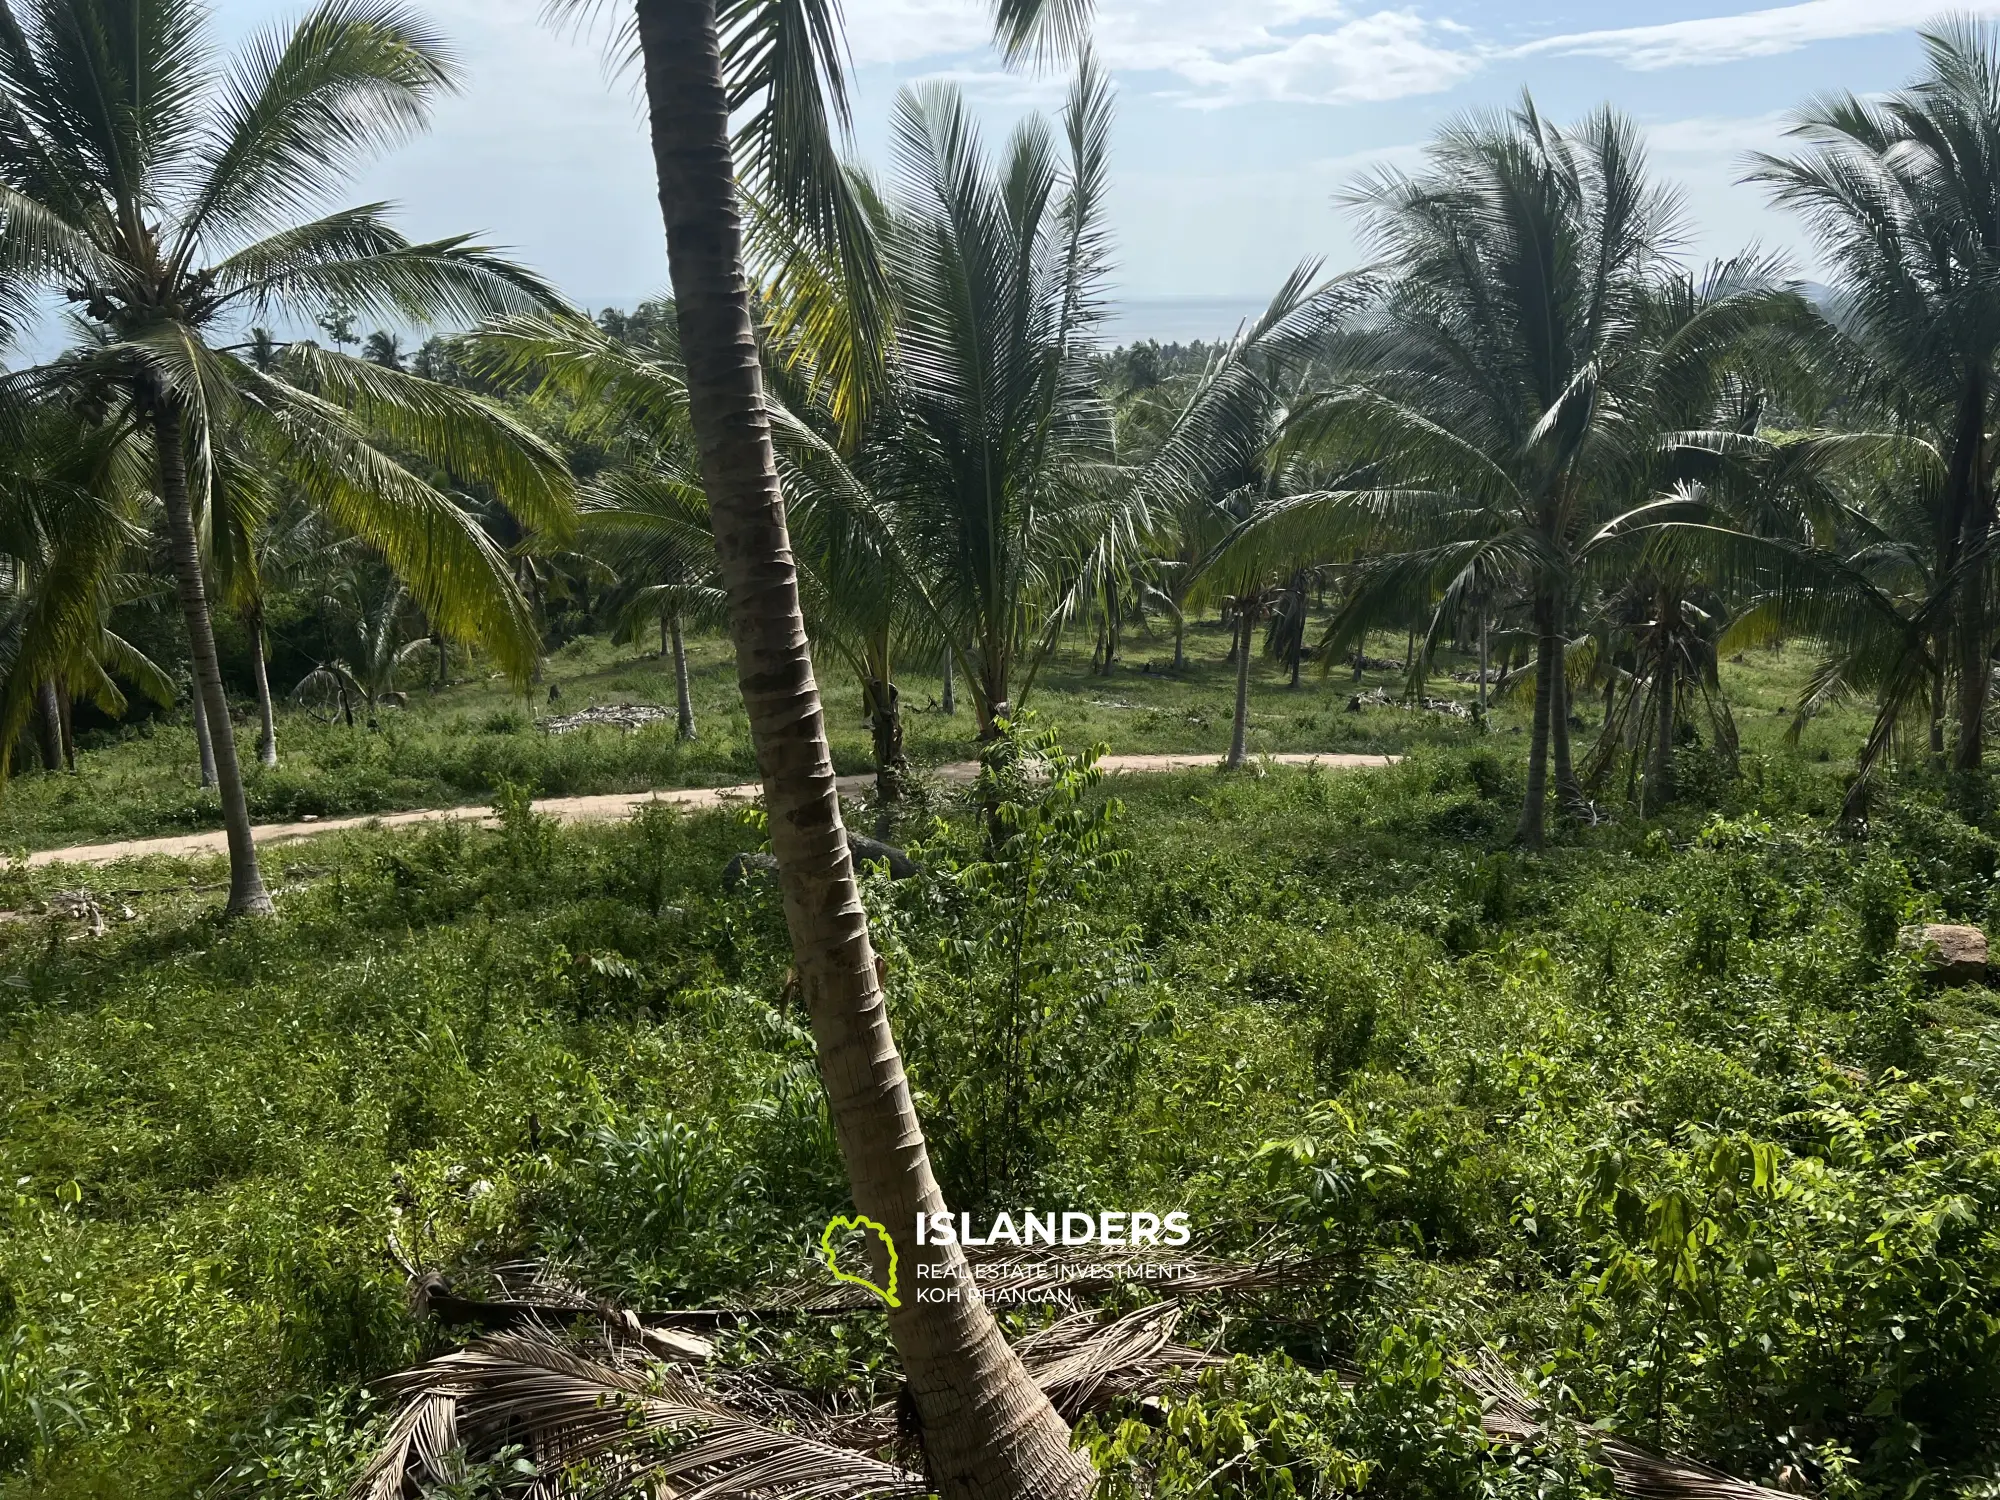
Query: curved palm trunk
[(683, 698), (1534, 812), (267, 717), (950, 686), (1238, 732), (247, 896), (989, 1433)]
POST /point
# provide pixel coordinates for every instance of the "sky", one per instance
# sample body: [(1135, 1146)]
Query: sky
[(1240, 122)]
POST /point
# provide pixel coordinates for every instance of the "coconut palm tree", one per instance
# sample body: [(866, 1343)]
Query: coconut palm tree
[(161, 196), (71, 525), (987, 1430), (1004, 493), (1220, 473), (647, 520), (1511, 396), (1903, 195)]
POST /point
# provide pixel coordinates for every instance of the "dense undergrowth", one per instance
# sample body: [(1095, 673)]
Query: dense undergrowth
[(1662, 1117)]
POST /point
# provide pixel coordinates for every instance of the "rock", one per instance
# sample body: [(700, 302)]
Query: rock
[(394, 700), (867, 851), (1952, 955), (863, 849), (742, 866)]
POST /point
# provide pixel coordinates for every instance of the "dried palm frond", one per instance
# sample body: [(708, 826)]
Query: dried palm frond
[(1080, 1362), (422, 1444), (606, 1420), (608, 1416), (1511, 1415)]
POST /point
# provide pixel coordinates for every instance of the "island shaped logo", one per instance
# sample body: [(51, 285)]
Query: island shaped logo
[(829, 1247)]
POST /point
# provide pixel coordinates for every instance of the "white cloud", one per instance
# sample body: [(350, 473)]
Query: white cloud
[(908, 31), (1758, 33), (1221, 51), (1388, 55)]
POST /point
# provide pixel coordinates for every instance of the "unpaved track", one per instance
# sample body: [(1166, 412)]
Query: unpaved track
[(618, 806)]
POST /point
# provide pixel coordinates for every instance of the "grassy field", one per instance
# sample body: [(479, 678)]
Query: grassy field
[(459, 747), (1661, 1116)]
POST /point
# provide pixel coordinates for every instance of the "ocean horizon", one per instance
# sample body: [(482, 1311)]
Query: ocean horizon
[(1177, 320)]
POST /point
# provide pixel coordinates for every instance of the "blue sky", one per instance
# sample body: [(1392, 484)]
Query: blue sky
[(1239, 120)]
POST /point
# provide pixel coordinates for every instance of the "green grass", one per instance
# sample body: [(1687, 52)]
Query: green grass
[(458, 747), (574, 1043)]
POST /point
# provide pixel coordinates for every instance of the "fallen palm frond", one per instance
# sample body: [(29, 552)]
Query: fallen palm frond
[(1080, 1362), (1510, 1414), (547, 1302), (614, 1409), (603, 1420)]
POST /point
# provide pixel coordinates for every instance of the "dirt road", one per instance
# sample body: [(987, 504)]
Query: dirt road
[(615, 807)]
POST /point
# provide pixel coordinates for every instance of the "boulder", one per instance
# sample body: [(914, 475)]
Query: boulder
[(1952, 955)]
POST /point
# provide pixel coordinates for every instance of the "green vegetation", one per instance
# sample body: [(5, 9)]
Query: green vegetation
[(459, 747), (1662, 1117), (1578, 1057)]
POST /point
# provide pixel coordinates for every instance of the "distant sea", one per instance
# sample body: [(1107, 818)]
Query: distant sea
[(1178, 320)]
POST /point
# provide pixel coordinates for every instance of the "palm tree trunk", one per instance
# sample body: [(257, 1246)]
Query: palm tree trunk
[(1180, 641), (683, 699), (1482, 666), (1660, 775), (950, 686), (65, 708), (1569, 792), (267, 717), (1534, 812), (444, 662), (48, 722), (1245, 625), (1975, 670), (885, 722), (204, 743), (988, 1431), (247, 896), (1937, 713), (1968, 479)]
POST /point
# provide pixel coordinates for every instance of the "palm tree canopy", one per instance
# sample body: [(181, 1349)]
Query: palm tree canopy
[(165, 196)]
